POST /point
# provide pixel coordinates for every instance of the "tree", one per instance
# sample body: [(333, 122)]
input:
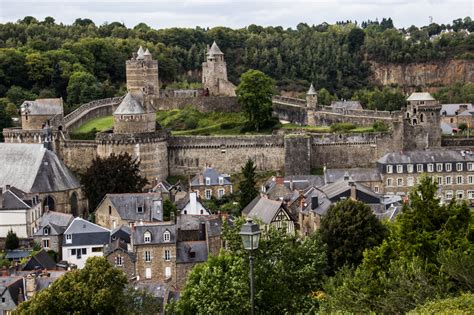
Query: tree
[(5, 118), (113, 174), (98, 288), (248, 191), (349, 228), (254, 94), (82, 88), (12, 242), (168, 209)]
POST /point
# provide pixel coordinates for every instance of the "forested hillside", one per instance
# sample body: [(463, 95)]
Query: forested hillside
[(84, 61)]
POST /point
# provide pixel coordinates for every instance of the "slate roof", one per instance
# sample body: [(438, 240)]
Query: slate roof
[(13, 201), (13, 285), (214, 227), (323, 202), (262, 208), (311, 90), (453, 109), (140, 53), (57, 221), (214, 175), (34, 169), (127, 205), (121, 246), (348, 105), (420, 96), (357, 174), (130, 105), (17, 254), (86, 233), (157, 231), (214, 50), (43, 106), (40, 261), (181, 203), (337, 188), (426, 156), (183, 250), (122, 232)]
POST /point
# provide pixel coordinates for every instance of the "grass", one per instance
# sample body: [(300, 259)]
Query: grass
[(99, 124)]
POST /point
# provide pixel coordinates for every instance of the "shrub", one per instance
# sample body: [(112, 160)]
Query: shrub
[(191, 123), (462, 126), (342, 127), (380, 126), (228, 125)]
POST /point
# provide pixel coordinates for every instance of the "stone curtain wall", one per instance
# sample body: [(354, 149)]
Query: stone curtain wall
[(328, 116), (297, 155), (292, 113), (78, 154), (201, 103), (189, 154)]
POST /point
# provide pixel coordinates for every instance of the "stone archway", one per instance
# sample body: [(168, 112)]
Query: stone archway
[(50, 203), (74, 204)]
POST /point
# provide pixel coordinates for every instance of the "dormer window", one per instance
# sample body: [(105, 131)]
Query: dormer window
[(46, 231), (221, 180), (140, 209), (167, 236), (68, 238), (208, 180), (147, 237)]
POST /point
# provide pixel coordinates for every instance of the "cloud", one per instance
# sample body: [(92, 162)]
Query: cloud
[(236, 14)]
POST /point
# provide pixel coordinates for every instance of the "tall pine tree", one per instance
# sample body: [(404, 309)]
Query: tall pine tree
[(247, 187)]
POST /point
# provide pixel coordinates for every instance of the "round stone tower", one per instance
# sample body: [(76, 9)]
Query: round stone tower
[(214, 73)]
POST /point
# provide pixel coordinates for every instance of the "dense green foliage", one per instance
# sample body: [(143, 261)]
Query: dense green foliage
[(254, 94), (287, 271), (12, 241), (48, 59), (248, 191), (460, 305), (113, 174), (349, 228), (169, 209), (5, 118), (385, 99), (456, 93), (427, 255), (98, 288)]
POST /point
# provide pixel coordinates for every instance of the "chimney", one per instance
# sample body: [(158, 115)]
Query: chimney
[(314, 202), (353, 190), (193, 203), (1, 197), (30, 285), (291, 184), (201, 179), (7, 187), (280, 180)]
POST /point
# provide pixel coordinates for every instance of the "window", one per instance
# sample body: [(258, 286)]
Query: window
[(399, 181), (168, 272), (376, 189), (389, 169), (221, 180), (448, 194), (97, 249), (439, 167), (147, 256), (389, 182), (430, 168), (208, 193), (167, 255), (46, 243), (419, 168), (470, 179), (459, 167), (139, 209), (208, 181), (448, 167), (440, 180), (470, 194), (470, 167), (410, 181), (449, 180), (410, 168), (460, 194), (46, 231), (84, 251), (459, 180), (68, 238), (147, 237), (148, 273), (3, 300), (119, 261), (399, 168), (220, 193), (167, 236), (110, 210)]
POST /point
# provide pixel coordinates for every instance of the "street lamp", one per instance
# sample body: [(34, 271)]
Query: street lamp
[(250, 233)]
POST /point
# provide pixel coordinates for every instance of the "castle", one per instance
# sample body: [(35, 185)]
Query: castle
[(162, 154)]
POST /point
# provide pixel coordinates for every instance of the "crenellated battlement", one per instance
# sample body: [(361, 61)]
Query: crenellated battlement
[(103, 138)]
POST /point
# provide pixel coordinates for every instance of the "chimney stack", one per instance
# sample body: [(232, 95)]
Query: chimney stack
[(353, 190)]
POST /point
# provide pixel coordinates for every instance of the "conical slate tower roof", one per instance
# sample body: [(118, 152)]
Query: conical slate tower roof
[(140, 53), (311, 90), (214, 50), (129, 106)]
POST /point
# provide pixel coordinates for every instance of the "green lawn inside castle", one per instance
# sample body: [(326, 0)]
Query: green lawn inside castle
[(189, 121)]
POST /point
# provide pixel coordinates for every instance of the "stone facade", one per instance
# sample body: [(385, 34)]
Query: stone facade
[(122, 260), (214, 73), (157, 262)]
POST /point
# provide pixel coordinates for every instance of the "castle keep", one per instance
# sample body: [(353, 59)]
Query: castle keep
[(214, 73)]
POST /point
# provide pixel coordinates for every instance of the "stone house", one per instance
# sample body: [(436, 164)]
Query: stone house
[(189, 254), (35, 170), (40, 112), (270, 212), (118, 255), (50, 230), (169, 191), (453, 170), (129, 209), (456, 114), (19, 212), (192, 204), (83, 239), (210, 183), (154, 246), (11, 294)]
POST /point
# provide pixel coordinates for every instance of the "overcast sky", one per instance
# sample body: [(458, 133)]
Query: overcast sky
[(236, 14)]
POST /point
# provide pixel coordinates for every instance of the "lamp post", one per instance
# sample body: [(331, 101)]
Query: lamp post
[(250, 233)]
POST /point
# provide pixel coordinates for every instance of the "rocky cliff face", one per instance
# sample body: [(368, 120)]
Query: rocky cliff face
[(429, 75)]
